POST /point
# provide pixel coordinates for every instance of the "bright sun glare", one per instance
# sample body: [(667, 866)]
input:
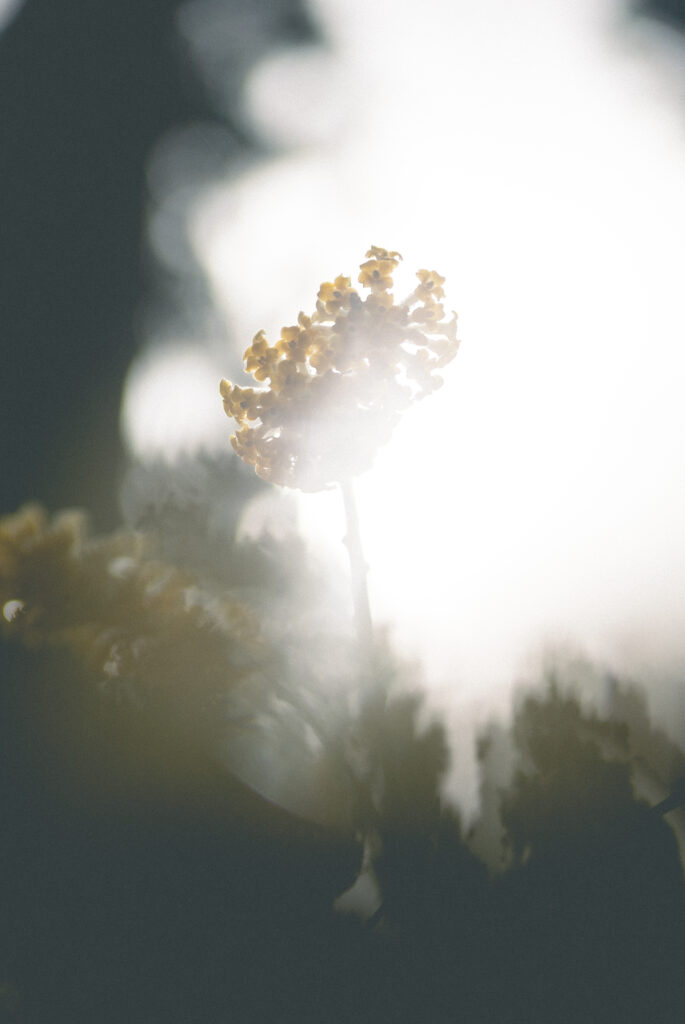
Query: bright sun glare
[(531, 159)]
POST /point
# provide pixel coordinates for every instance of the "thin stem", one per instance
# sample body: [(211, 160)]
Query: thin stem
[(358, 571), (373, 691)]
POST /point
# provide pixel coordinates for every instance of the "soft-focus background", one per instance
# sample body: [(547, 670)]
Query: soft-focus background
[(177, 175)]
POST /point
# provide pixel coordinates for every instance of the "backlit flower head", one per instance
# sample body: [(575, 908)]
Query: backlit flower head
[(338, 380)]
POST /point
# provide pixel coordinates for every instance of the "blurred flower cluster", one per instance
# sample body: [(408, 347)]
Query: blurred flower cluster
[(133, 622), (338, 380)]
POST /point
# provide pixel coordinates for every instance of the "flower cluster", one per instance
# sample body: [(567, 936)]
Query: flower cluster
[(337, 382)]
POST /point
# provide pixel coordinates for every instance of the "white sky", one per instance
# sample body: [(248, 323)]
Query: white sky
[(534, 155)]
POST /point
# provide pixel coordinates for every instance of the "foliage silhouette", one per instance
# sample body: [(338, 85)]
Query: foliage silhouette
[(143, 880)]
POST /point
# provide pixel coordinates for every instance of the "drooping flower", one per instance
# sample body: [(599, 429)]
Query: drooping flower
[(340, 378)]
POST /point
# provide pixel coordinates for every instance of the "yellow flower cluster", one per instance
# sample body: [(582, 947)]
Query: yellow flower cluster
[(126, 618), (338, 380)]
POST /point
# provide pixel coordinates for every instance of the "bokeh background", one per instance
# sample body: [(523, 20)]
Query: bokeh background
[(175, 176)]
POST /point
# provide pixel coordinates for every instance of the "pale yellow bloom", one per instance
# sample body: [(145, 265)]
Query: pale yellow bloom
[(430, 284), (260, 357), (335, 295), (377, 274), (340, 378), (376, 253), (428, 315)]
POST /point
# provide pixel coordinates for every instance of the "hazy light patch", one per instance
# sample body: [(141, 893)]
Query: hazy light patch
[(9, 10), (180, 164), (529, 156), (294, 98), (266, 238), (11, 609), (268, 514), (171, 404), (536, 498)]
